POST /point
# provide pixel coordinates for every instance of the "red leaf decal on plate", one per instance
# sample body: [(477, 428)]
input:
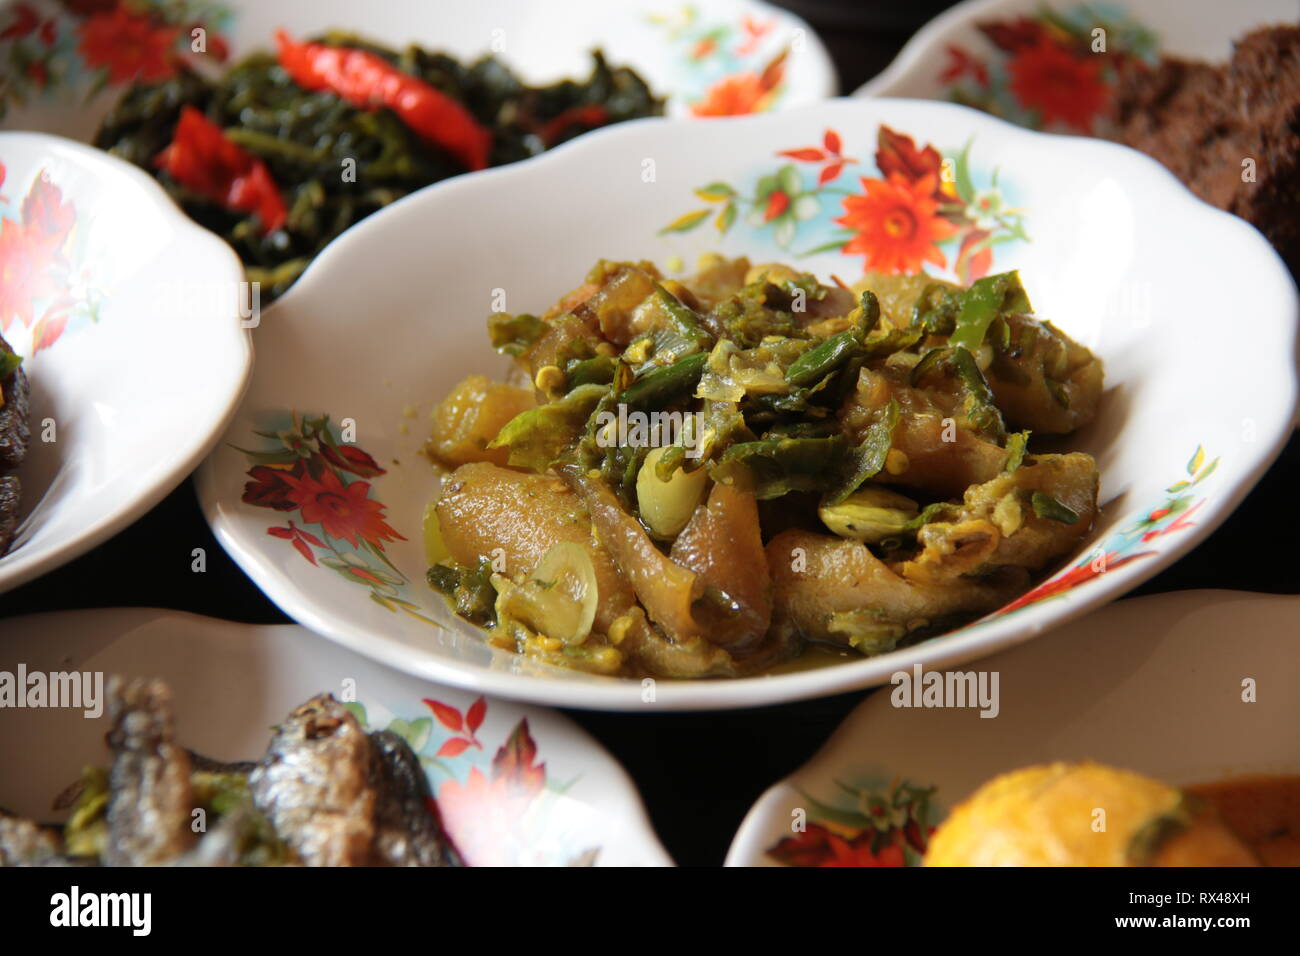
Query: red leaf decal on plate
[(514, 762), (352, 459), (304, 550), (47, 331), (809, 155), (832, 141), (474, 716), (829, 173), (898, 155), (453, 747), (268, 489), (449, 717)]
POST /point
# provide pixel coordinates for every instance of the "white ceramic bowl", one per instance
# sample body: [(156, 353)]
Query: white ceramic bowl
[(1026, 80), (516, 785), (683, 50), (128, 318), (391, 315), (1153, 685)]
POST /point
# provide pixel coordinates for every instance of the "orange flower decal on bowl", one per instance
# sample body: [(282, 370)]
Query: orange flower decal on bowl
[(923, 209), (743, 93), (726, 69), (896, 224)]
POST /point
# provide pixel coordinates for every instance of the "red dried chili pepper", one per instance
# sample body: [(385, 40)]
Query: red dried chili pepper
[(369, 81), (591, 115), (202, 159)]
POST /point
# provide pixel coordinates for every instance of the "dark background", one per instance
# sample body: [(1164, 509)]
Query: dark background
[(698, 773)]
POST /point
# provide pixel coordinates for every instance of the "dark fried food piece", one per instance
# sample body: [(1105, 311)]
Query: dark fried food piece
[(1204, 120), (407, 831)]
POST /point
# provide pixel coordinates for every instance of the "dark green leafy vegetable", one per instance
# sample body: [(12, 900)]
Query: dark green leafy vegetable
[(469, 591), (336, 163)]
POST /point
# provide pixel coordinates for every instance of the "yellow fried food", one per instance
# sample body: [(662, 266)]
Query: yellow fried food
[(1083, 814)]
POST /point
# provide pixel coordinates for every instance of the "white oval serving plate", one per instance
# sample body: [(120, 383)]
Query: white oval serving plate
[(1155, 684), (515, 785), (391, 315), (127, 316), (698, 54)]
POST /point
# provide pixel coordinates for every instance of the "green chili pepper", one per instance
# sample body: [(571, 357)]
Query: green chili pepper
[(592, 371), (778, 467), (866, 460), (657, 388), (984, 301)]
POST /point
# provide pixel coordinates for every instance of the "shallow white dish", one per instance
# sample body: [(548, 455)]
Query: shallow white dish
[(1153, 685), (1010, 57), (391, 315), (233, 682), (128, 319), (687, 51)]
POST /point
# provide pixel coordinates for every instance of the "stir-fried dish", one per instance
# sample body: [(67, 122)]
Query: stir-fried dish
[(288, 149), (14, 437), (327, 793), (702, 477)]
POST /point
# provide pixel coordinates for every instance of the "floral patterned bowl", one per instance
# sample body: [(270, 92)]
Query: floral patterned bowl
[(127, 316), (516, 786), (1211, 678), (318, 488), (1051, 64), (71, 60)]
